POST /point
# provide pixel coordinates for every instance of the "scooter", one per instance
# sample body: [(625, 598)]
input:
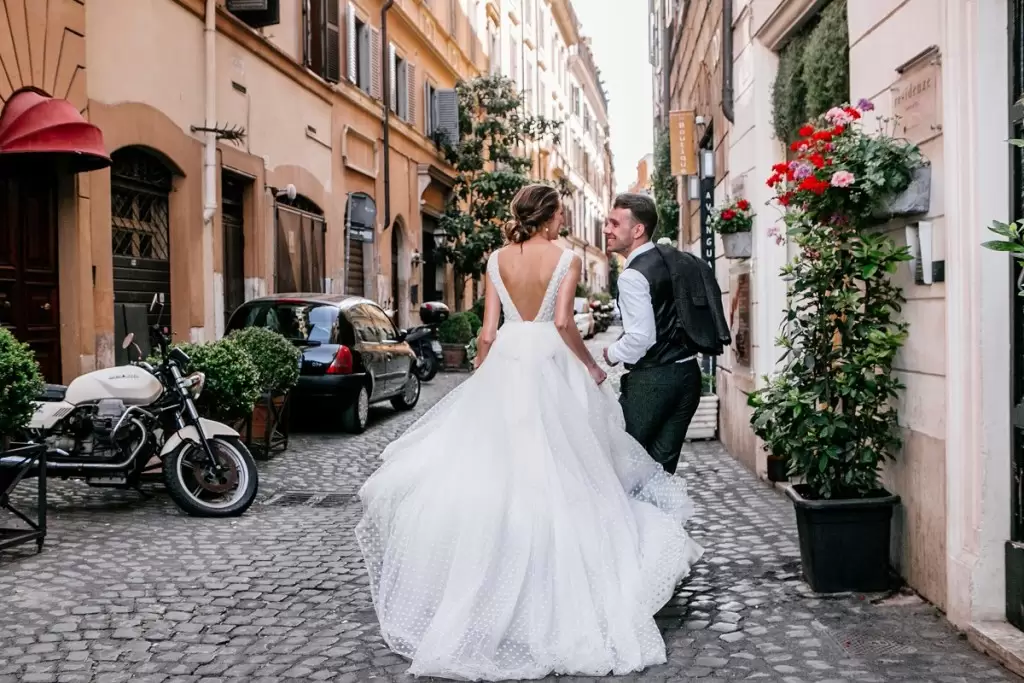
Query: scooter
[(424, 342), (108, 425)]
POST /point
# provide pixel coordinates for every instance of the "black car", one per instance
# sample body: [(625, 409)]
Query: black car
[(352, 355)]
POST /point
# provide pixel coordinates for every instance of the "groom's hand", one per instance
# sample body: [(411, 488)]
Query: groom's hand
[(606, 359)]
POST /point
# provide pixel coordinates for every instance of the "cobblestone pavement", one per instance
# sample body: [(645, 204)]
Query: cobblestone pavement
[(134, 590)]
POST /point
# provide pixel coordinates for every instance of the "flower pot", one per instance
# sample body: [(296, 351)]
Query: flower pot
[(454, 356), (844, 544), (777, 469), (738, 244), (914, 200), (704, 424)]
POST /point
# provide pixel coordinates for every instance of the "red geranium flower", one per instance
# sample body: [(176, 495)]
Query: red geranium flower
[(806, 131), (743, 204), (798, 145), (774, 180), (838, 130), (823, 135), (728, 214), (780, 168), (785, 199), (817, 160)]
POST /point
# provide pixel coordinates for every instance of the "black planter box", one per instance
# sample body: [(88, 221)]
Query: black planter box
[(1015, 584), (777, 469), (844, 544)]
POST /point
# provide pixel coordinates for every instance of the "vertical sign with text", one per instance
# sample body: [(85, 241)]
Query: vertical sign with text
[(682, 128), (707, 247)]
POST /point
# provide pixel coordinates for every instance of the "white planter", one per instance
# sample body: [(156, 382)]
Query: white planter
[(738, 244), (704, 424)]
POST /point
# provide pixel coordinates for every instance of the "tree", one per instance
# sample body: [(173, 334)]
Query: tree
[(614, 268), (490, 168), (664, 185)]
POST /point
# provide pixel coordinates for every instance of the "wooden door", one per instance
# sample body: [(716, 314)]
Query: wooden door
[(29, 303), (233, 219)]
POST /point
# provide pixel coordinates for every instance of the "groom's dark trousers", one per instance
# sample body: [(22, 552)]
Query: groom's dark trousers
[(658, 403)]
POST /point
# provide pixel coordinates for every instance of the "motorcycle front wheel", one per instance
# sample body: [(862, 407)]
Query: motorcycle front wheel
[(426, 367), (202, 492)]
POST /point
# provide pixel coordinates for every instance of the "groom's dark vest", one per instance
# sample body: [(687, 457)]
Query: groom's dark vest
[(666, 348)]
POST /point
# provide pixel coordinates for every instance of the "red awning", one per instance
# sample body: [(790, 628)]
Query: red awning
[(35, 128)]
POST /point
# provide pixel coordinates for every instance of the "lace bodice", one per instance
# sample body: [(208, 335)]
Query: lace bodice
[(546, 313)]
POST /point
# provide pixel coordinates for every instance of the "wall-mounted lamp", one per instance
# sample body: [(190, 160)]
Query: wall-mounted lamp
[(693, 187), (707, 163), (289, 191), (416, 258)]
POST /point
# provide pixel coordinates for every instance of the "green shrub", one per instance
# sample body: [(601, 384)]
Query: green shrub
[(20, 384), (276, 359), (475, 323), (232, 379), (455, 330)]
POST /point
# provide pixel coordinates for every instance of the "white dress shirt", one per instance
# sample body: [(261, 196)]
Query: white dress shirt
[(637, 310)]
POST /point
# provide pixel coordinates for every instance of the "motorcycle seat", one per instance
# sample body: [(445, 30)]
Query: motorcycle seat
[(53, 392)]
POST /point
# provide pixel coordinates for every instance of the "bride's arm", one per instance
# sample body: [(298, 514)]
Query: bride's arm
[(565, 320), (489, 330)]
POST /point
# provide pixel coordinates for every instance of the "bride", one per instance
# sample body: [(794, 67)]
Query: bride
[(516, 530)]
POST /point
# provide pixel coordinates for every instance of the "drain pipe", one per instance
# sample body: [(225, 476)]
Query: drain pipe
[(727, 65), (210, 145), (386, 98)]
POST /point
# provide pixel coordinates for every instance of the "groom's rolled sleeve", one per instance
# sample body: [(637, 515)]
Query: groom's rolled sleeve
[(639, 332)]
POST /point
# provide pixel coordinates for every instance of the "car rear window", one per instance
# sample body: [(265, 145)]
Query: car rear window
[(293, 320)]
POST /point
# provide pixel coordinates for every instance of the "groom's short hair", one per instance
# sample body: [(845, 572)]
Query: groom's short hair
[(643, 209)]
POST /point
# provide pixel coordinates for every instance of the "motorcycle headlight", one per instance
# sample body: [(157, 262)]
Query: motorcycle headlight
[(196, 382)]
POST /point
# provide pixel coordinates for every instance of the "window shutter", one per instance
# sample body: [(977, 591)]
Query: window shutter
[(332, 70), (375, 65), (410, 89), (392, 78), (448, 116), (307, 34), (350, 40)]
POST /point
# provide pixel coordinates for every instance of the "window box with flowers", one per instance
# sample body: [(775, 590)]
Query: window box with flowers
[(734, 222), (830, 411)]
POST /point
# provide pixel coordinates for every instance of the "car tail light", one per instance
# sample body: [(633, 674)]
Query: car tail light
[(342, 363)]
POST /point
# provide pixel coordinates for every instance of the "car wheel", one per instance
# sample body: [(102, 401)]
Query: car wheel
[(357, 414), (410, 395)]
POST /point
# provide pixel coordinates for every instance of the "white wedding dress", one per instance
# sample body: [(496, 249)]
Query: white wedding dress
[(516, 530)]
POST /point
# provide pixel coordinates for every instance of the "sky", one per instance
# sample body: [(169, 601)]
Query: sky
[(618, 29)]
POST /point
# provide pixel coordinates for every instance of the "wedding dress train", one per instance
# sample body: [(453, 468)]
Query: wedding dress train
[(516, 530)]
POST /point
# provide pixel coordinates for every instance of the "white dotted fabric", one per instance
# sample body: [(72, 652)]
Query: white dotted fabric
[(516, 530)]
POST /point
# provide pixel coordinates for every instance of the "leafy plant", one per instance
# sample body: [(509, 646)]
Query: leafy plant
[(663, 186), (475, 323), (20, 384), (814, 72), (232, 379), (276, 359), (489, 170), (614, 269), (732, 218), (456, 330), (830, 410), (1012, 234)]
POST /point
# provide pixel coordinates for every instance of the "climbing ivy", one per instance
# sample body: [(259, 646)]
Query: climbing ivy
[(814, 72), (663, 184)]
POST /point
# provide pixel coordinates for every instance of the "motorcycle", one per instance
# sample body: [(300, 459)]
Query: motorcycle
[(424, 342), (108, 425)]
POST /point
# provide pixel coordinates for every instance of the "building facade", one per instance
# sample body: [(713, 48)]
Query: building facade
[(644, 167), (240, 133), (954, 67), (538, 44)]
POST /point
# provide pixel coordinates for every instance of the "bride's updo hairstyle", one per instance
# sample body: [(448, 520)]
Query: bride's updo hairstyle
[(532, 207)]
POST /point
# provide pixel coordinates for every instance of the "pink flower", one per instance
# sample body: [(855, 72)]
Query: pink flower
[(842, 179), (775, 232), (838, 116)]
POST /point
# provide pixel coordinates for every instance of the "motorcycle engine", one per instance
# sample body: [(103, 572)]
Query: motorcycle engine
[(108, 412)]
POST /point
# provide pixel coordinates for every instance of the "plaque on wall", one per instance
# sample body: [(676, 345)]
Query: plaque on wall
[(917, 97), (739, 319)]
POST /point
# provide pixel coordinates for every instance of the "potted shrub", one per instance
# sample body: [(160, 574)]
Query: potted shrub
[(704, 424), (232, 380), (734, 222), (830, 411), (454, 334), (277, 366), (20, 386)]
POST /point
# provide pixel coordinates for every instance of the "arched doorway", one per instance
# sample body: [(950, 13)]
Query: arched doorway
[(140, 188), (300, 264)]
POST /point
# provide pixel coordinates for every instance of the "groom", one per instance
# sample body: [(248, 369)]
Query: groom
[(662, 390)]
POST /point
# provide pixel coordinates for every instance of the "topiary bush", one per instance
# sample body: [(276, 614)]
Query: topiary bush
[(455, 330), (475, 323), (20, 384), (276, 359), (232, 379)]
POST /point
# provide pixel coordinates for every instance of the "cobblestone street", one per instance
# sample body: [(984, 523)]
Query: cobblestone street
[(133, 590)]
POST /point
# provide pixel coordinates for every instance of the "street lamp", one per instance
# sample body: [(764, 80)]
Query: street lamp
[(707, 163), (693, 187)]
